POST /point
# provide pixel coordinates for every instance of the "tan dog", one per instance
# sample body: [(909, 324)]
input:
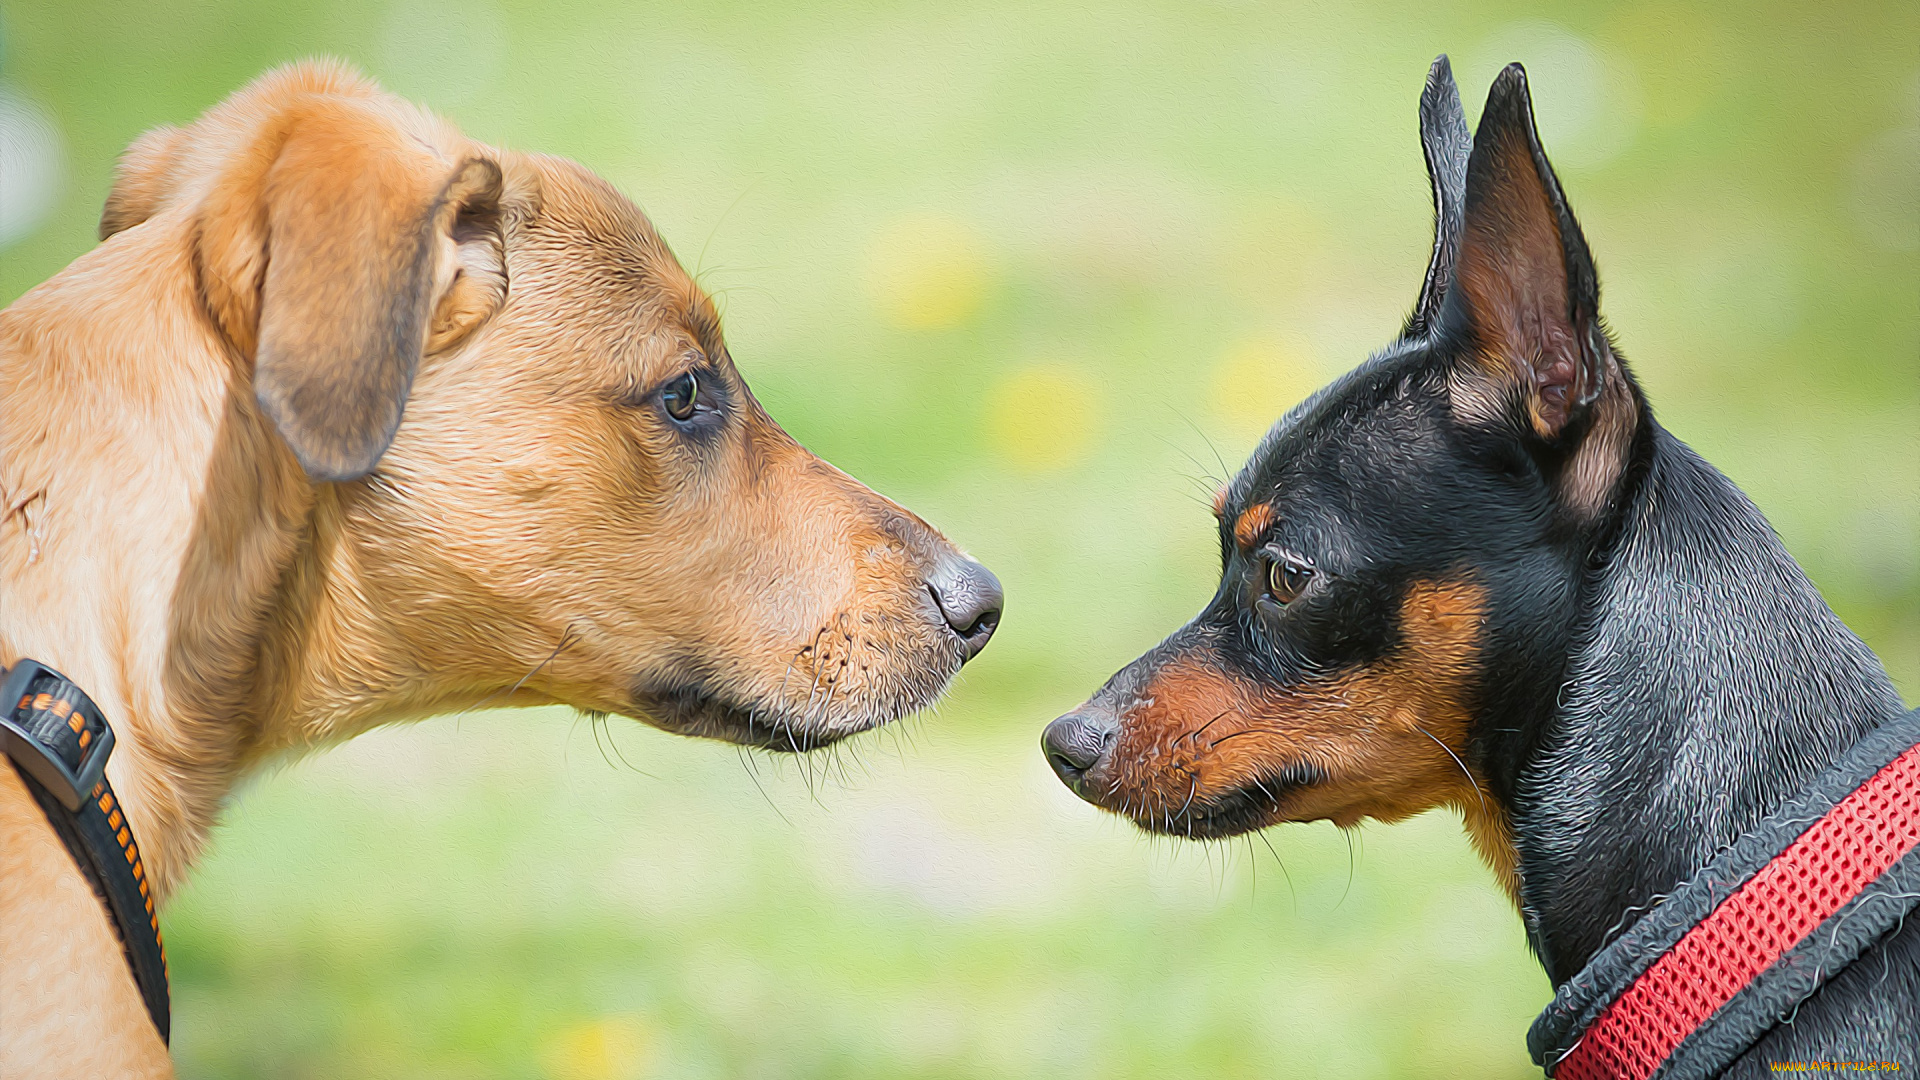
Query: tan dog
[(213, 517)]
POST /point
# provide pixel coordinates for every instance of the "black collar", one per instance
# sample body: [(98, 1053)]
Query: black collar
[(59, 742)]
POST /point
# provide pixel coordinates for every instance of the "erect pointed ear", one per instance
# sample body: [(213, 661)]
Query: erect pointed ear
[(1526, 301), (1525, 290), (1446, 143)]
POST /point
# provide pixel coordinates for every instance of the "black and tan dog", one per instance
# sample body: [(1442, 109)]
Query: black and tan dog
[(1477, 572), (350, 419)]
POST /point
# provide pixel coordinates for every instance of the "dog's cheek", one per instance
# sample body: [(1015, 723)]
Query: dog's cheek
[(1393, 736), (1416, 714), (1387, 739), (1207, 735)]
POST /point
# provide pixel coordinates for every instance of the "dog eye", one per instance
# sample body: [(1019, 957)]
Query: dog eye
[(1287, 578), (680, 396)]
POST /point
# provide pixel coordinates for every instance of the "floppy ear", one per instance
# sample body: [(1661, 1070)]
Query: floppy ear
[(1525, 291), (328, 249), (355, 221), (1446, 143)]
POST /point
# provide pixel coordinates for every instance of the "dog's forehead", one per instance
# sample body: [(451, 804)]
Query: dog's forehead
[(1331, 414), (599, 251)]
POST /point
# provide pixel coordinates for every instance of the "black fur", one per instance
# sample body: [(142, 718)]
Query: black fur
[(1657, 673), (1446, 144)]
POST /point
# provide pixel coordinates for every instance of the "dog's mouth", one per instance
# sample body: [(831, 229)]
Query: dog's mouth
[(1246, 807), (690, 711), (827, 714)]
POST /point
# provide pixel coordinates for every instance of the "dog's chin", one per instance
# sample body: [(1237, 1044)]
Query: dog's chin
[(707, 718), (706, 715), (692, 698), (1245, 808)]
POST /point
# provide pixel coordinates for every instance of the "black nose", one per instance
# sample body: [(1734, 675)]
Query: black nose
[(1077, 741), (969, 598)]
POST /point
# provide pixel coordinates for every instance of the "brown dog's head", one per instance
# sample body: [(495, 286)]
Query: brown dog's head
[(531, 470)]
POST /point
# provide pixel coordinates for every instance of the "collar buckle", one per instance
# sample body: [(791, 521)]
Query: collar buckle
[(54, 731)]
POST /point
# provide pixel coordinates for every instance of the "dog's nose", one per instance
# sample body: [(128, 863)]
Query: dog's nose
[(969, 598), (1076, 742)]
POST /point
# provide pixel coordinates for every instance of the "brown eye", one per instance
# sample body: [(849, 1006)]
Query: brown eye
[(1287, 578), (680, 396)]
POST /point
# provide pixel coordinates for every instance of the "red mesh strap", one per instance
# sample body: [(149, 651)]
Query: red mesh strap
[(1840, 855)]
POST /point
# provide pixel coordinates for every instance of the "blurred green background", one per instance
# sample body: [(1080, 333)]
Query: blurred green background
[(1043, 272)]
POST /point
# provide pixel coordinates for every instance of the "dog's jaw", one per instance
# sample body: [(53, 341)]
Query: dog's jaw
[(801, 714)]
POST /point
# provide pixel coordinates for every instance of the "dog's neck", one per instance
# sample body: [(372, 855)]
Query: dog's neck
[(160, 545), (1708, 683)]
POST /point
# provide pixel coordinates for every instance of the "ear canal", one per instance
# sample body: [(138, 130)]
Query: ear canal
[(354, 213), (470, 219), (1525, 290), (1446, 143)]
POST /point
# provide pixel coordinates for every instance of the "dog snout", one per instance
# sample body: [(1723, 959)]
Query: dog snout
[(1077, 742), (969, 598)]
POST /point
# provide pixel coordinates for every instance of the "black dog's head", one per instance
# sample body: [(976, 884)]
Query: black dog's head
[(1402, 555)]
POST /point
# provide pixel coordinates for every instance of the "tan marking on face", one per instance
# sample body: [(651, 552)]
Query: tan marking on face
[(1220, 505), (1390, 740), (1252, 523)]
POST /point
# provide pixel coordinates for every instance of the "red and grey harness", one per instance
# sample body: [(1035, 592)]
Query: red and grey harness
[(1712, 968), (59, 742)]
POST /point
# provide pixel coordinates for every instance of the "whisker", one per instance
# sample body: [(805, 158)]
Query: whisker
[(1456, 760), (1206, 474), (1202, 729), (700, 262), (1348, 833), (566, 638), (1197, 430), (1237, 734), (615, 743), (593, 725), (753, 774), (1226, 472), (1294, 896)]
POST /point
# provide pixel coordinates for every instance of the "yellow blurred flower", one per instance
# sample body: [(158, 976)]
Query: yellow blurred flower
[(1256, 381), (927, 272), (1044, 417), (609, 1048)]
